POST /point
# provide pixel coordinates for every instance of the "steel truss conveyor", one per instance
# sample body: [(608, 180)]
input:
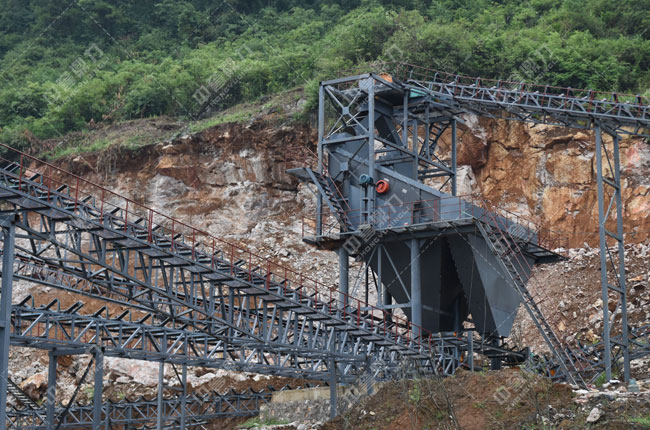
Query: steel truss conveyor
[(143, 412), (194, 300), (520, 101), (249, 313)]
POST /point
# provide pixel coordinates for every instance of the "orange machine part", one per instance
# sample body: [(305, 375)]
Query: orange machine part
[(382, 186)]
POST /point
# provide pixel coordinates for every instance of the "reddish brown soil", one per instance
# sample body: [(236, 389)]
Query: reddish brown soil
[(505, 399)]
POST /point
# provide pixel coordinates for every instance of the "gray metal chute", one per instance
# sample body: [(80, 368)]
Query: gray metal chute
[(444, 306)]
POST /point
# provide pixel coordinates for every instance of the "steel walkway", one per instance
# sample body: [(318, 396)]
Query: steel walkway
[(143, 412), (248, 311), (519, 101)]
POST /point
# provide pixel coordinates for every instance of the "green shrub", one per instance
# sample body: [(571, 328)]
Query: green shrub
[(155, 55)]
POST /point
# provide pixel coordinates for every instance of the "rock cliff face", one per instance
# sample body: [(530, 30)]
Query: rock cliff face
[(549, 175), (230, 181)]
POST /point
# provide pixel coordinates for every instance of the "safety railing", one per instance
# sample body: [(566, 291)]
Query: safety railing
[(636, 102), (50, 182), (445, 209), (512, 251)]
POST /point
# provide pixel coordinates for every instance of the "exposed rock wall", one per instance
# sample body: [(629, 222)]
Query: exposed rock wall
[(231, 181), (549, 174), (213, 178)]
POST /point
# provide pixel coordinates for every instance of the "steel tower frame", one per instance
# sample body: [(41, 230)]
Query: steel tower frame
[(418, 129), (193, 302), (362, 100), (612, 113), (444, 97)]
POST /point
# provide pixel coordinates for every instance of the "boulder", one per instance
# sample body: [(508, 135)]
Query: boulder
[(594, 415), (35, 386)]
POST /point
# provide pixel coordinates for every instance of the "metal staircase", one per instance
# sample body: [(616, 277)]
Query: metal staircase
[(259, 317), (21, 396), (333, 197), (503, 247)]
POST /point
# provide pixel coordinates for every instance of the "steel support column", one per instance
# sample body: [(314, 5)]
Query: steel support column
[(321, 134), (470, 350), (454, 177), (625, 343), (161, 386), (385, 297), (98, 389), (369, 377), (333, 393), (8, 233), (50, 399), (370, 190), (611, 178), (416, 286), (344, 269), (495, 362), (415, 142), (183, 396)]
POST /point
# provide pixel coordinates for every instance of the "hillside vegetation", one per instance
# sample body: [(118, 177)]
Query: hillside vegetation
[(69, 65)]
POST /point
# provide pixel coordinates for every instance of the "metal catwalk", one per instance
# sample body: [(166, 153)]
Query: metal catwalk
[(197, 300), (386, 195), (143, 412)]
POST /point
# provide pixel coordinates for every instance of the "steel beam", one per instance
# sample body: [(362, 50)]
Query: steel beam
[(470, 350), (98, 389), (416, 285), (370, 190), (344, 276), (321, 161), (333, 390), (161, 387), (50, 399), (454, 177), (385, 299), (603, 255), (183, 396), (608, 177), (8, 239), (622, 283)]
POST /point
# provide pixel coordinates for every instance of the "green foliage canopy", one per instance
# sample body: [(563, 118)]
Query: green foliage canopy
[(67, 64)]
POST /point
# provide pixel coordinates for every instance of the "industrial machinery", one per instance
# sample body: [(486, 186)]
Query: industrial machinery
[(386, 187), (449, 272), (449, 264)]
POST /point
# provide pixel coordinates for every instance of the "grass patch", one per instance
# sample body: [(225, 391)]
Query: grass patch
[(135, 134), (244, 112), (65, 151), (242, 115), (643, 421), (602, 378), (128, 134), (89, 145)]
